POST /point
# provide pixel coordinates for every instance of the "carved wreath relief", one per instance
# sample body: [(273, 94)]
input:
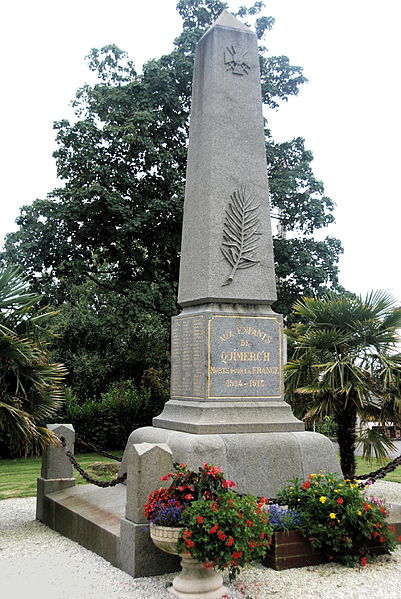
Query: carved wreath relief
[(240, 233), (234, 58)]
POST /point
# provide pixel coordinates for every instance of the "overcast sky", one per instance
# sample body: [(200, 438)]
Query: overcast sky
[(348, 112)]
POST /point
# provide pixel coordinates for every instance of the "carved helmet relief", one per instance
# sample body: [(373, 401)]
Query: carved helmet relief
[(240, 232), (236, 61)]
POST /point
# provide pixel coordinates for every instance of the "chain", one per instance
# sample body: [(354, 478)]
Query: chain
[(94, 481), (96, 450), (380, 473)]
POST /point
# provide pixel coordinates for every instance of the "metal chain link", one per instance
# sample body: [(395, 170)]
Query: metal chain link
[(86, 476), (380, 473), (96, 450)]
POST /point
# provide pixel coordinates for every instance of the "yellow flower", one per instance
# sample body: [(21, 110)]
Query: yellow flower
[(336, 490), (323, 499), (332, 516), (298, 500), (340, 485), (312, 475), (359, 513)]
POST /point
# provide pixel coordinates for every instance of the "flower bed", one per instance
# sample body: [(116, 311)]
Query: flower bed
[(338, 519)]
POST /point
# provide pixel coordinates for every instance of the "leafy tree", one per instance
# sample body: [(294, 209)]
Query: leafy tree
[(116, 221), (30, 384), (344, 364)]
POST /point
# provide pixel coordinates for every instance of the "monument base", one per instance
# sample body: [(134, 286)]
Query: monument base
[(260, 463), (210, 417)]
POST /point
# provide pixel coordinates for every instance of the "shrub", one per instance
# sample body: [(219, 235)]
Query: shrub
[(337, 518), (107, 422)]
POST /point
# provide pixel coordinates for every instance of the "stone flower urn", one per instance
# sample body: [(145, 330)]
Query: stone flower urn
[(195, 581)]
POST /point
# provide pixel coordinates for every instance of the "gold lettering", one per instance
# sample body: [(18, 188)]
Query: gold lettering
[(244, 343), (251, 331), (226, 336)]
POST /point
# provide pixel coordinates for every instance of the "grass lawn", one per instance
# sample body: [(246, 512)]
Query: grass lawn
[(364, 467), (18, 477)]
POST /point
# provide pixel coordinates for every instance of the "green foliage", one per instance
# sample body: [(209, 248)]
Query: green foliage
[(226, 533), (110, 235), (31, 385), (327, 427), (104, 337), (337, 518), (107, 423), (343, 363)]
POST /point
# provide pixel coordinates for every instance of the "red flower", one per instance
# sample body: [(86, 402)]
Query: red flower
[(378, 525), (188, 496), (181, 488), (306, 485), (382, 540), (262, 536), (199, 519), (221, 536), (340, 500), (252, 544), (230, 541), (214, 529), (330, 557), (399, 538), (189, 543), (187, 533), (226, 484), (236, 554), (249, 523), (364, 561)]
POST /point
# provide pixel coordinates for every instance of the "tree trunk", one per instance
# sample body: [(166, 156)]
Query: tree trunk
[(345, 419)]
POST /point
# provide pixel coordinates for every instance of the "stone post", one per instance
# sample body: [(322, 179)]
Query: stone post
[(146, 463), (56, 473)]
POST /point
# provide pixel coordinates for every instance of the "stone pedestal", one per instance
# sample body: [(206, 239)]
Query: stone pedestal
[(56, 472), (260, 463), (138, 555)]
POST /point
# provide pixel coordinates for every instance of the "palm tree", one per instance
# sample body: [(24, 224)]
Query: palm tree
[(344, 364), (30, 384)]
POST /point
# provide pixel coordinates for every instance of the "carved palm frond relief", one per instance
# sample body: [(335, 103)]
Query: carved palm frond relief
[(240, 233)]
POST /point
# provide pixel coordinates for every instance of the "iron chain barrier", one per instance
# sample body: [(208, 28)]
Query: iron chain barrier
[(85, 475), (370, 478)]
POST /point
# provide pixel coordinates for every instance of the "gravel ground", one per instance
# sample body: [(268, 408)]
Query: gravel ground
[(38, 562)]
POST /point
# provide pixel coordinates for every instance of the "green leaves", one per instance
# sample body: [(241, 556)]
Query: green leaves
[(30, 383), (344, 361)]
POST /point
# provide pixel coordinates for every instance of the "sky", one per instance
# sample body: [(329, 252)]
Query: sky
[(348, 112)]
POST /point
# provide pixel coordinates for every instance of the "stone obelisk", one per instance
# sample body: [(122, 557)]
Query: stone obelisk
[(227, 353)]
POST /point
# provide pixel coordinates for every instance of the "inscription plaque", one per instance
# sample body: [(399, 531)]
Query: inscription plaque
[(188, 357), (244, 357)]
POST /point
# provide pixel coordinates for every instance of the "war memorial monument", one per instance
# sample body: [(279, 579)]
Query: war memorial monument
[(227, 344)]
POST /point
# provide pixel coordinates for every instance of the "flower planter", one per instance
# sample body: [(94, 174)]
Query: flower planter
[(195, 581), (291, 550)]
